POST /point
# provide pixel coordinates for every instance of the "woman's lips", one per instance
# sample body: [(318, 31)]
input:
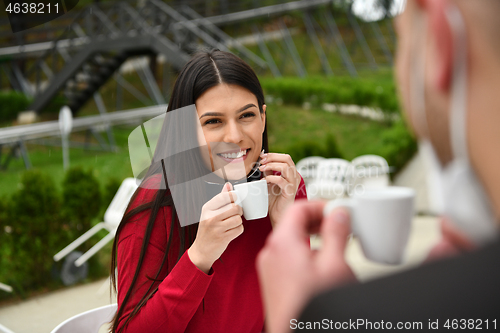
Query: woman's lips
[(234, 156)]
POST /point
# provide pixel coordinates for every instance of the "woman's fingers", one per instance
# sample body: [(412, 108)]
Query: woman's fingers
[(275, 157), (285, 187), (228, 211), (288, 172), (223, 212), (235, 232), (220, 200), (231, 223)]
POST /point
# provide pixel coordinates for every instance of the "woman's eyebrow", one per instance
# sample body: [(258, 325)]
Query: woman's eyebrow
[(246, 107), (218, 114), (212, 114)]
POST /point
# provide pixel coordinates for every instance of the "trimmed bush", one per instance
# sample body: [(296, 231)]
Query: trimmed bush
[(39, 225), (311, 148), (81, 199), (34, 219), (82, 203), (331, 147), (335, 90), (110, 189), (11, 103), (399, 145)]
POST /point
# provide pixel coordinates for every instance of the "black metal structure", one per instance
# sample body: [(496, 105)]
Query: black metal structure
[(100, 39), (95, 44)]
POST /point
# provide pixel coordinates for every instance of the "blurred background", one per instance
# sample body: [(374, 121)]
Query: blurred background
[(326, 67)]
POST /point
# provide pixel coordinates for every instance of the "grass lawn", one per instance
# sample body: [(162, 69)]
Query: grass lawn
[(289, 125)]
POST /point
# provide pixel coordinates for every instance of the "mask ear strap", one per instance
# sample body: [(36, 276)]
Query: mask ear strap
[(458, 105)]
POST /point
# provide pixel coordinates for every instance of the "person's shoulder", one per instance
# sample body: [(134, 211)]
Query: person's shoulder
[(146, 191), (145, 195), (456, 287)]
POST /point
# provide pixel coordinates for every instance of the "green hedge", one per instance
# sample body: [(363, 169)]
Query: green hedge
[(81, 198), (398, 145), (34, 220), (328, 149), (37, 221), (379, 93), (11, 103)]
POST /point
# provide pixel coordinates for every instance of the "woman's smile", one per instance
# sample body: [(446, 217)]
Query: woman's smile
[(234, 156)]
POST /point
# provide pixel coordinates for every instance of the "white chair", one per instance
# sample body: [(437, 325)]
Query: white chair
[(112, 218), (4, 329), (307, 167), (5, 287), (8, 289), (331, 179), (369, 171), (87, 322)]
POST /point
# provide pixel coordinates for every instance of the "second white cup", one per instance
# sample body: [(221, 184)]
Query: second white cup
[(381, 219)]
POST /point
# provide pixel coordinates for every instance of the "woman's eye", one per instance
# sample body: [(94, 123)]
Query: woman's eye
[(212, 121), (248, 115)]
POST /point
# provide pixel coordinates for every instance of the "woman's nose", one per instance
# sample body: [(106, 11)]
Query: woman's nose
[(233, 133)]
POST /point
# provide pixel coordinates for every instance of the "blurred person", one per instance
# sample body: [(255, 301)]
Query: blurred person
[(448, 72), (202, 277)]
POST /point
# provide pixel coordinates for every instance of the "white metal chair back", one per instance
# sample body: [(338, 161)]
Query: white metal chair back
[(4, 329), (5, 287), (116, 209), (370, 171), (8, 289), (331, 179), (308, 167), (87, 322)]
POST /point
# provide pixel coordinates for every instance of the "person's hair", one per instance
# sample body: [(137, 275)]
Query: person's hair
[(204, 71)]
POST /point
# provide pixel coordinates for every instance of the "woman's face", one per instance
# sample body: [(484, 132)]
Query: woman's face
[(232, 125)]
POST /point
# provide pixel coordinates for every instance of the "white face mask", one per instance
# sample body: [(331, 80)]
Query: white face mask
[(455, 190)]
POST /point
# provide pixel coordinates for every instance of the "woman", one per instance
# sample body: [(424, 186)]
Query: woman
[(202, 277)]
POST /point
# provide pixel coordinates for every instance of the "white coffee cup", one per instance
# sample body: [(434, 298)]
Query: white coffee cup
[(253, 198), (381, 219)]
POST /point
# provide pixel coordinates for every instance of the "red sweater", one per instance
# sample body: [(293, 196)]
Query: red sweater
[(188, 300)]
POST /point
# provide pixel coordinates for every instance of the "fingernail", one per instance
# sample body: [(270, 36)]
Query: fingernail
[(262, 167)]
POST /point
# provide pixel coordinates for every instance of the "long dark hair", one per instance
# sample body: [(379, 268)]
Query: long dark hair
[(204, 71)]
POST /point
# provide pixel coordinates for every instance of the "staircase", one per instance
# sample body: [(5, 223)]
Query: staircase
[(87, 80)]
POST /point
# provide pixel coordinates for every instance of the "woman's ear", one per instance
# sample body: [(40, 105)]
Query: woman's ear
[(263, 116)]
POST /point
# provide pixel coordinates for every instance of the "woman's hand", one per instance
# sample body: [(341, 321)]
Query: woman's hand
[(282, 188), (220, 223)]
